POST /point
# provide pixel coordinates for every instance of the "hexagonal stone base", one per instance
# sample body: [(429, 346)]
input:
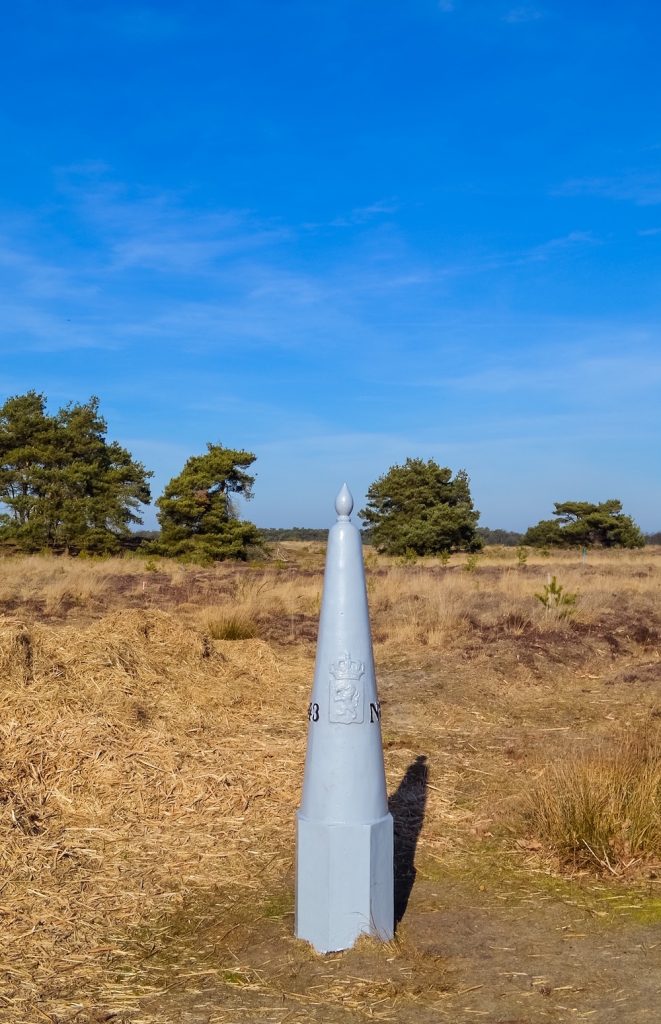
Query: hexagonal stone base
[(344, 882)]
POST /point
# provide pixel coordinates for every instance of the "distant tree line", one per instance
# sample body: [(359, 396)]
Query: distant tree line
[(508, 538), (274, 534), (64, 487)]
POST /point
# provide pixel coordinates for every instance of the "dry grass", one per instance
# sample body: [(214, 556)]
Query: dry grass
[(150, 769), (126, 781), (230, 626), (148, 775), (603, 807), (423, 602)]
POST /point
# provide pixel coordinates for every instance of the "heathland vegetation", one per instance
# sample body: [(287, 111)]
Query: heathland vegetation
[(152, 725)]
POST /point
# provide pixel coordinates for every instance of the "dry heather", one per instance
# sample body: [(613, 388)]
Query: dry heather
[(150, 768), (137, 760), (144, 766)]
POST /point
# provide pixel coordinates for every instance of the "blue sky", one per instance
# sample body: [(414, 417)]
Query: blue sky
[(342, 233)]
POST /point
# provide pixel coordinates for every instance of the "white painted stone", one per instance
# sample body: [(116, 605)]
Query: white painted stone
[(344, 834)]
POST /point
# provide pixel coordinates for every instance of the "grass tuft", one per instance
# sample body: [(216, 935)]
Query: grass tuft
[(232, 627), (603, 808)]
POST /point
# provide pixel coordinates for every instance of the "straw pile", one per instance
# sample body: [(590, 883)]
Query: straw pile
[(140, 760)]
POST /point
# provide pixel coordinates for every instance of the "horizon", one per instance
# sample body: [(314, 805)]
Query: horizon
[(341, 236)]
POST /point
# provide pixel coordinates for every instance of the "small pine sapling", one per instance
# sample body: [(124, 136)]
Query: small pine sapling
[(554, 597)]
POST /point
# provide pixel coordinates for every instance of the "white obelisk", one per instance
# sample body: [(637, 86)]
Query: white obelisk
[(344, 833)]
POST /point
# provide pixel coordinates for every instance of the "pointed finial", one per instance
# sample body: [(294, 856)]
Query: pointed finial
[(344, 502)]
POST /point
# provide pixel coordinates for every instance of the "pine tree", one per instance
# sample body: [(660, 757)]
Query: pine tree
[(583, 524), (198, 519), (420, 507), (27, 450), (65, 487)]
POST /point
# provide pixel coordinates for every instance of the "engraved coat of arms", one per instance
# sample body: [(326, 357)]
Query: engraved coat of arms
[(346, 690)]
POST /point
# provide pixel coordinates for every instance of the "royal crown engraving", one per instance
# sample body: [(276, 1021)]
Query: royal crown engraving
[(346, 692)]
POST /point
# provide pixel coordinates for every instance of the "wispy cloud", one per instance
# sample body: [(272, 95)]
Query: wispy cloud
[(143, 267), (358, 216), (22, 267), (639, 188), (552, 248), (573, 240), (136, 264), (521, 15), (587, 360), (363, 214), (614, 376), (25, 327), (138, 228)]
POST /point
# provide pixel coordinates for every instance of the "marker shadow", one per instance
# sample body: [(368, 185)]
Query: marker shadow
[(407, 806)]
